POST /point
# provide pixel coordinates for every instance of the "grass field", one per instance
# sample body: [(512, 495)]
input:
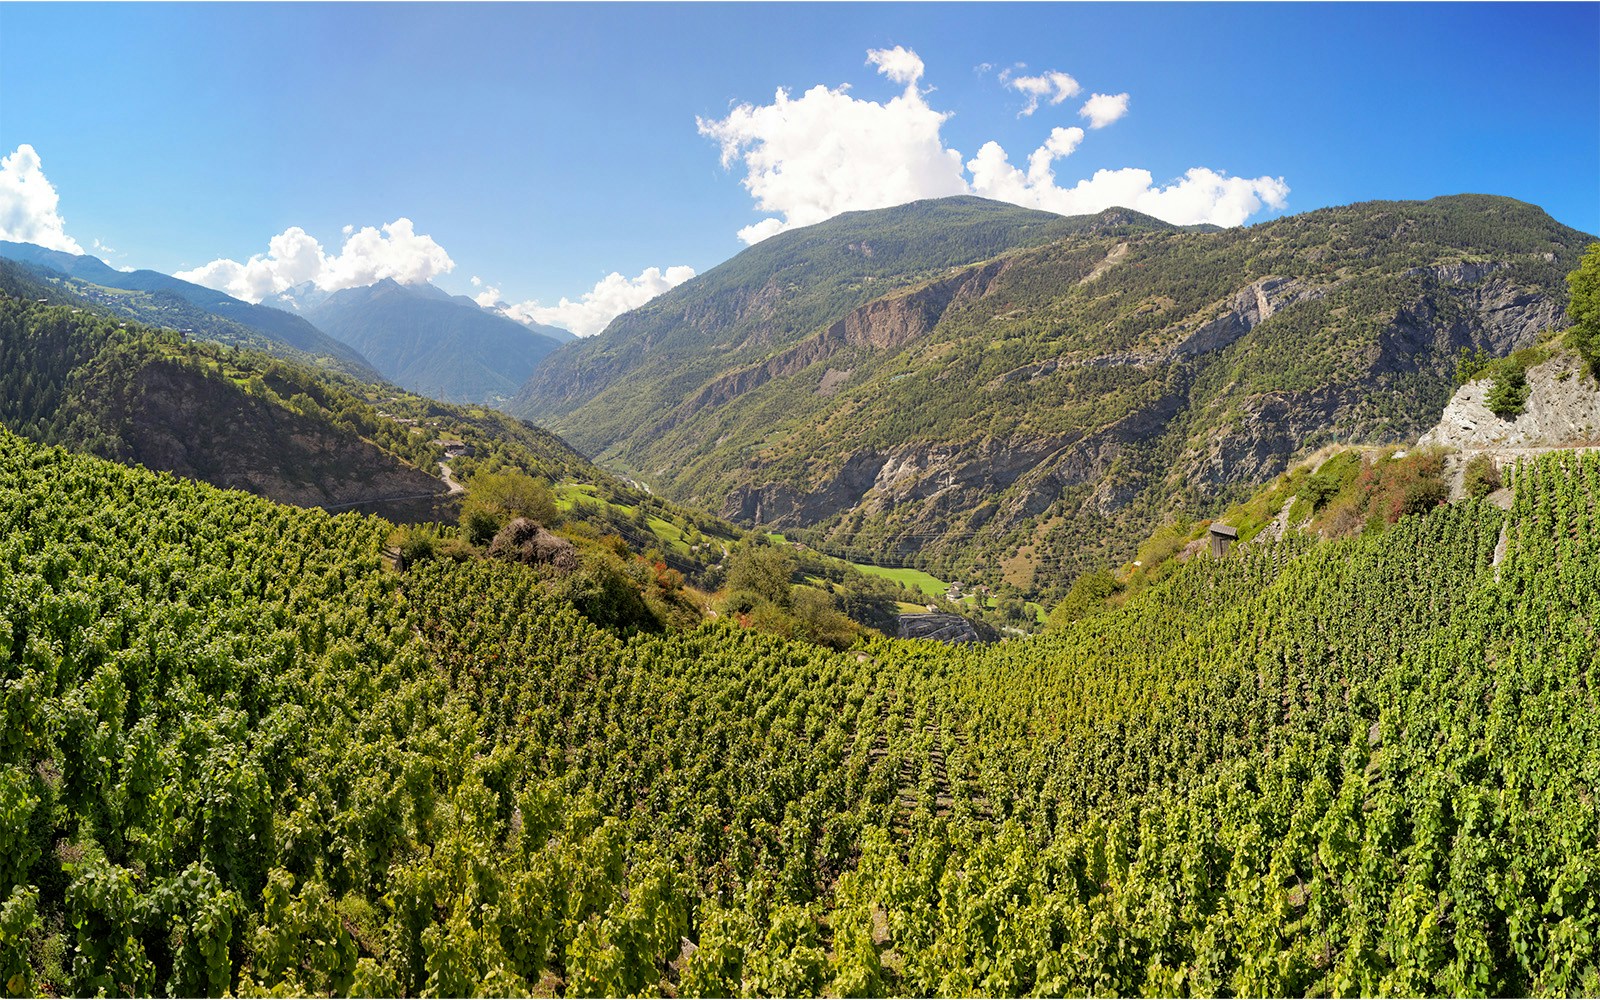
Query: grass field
[(913, 579)]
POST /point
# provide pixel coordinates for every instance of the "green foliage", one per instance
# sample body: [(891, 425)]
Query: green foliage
[(1508, 393), (1088, 595), (1583, 307), (1471, 363), (505, 496), (1122, 362), (763, 572), (1481, 477), (238, 754)]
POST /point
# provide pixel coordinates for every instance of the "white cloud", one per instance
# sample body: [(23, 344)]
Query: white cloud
[(1054, 86), (811, 158), (1103, 109), (898, 64), (293, 257), (28, 212), (808, 159), (488, 298), (611, 296), (1202, 195)]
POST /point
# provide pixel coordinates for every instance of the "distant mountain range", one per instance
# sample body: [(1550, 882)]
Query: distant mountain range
[(72, 373), (1012, 396), (419, 337), (162, 300), (427, 340)]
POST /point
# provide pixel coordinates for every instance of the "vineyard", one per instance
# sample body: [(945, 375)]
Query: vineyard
[(242, 753)]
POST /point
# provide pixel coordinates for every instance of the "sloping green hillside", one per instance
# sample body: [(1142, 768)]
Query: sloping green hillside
[(73, 375), (241, 755), (768, 297), (1016, 421), (164, 301)]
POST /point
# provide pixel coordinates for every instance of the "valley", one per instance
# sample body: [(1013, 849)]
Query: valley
[(920, 676)]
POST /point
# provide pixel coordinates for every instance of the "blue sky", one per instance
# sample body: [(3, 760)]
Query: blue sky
[(542, 147)]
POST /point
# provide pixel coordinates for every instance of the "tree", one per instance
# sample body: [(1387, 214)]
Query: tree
[(1584, 307), (762, 570), (505, 496)]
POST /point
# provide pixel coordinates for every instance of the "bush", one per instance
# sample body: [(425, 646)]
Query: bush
[(415, 544), (1088, 595), (1584, 307), (1481, 476), (1423, 495), (763, 570), (479, 525), (506, 496)]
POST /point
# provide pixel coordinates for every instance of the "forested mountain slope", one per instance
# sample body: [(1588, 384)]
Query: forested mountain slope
[(769, 297), (76, 376), (1017, 420), (241, 755), (161, 300), (423, 339)]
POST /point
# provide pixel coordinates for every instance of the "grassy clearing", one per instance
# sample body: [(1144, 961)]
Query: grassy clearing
[(912, 579)]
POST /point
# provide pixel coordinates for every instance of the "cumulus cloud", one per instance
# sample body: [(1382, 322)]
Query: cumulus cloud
[(1053, 86), (898, 64), (1103, 109), (611, 296), (293, 257), (1202, 195), (28, 204), (810, 158)]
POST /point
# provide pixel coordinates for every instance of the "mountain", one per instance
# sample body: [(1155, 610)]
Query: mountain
[(770, 296), (1020, 418), (433, 343), (162, 300), (72, 373)]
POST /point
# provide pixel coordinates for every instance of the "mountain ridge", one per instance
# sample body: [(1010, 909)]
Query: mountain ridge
[(283, 333), (430, 342), (1099, 382)]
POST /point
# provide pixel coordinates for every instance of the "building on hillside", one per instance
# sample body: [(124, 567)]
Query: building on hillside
[(1221, 537)]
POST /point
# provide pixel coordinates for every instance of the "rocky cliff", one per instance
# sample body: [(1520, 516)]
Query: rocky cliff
[(172, 417), (1562, 411)]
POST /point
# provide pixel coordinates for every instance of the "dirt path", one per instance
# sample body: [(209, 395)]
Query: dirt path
[(450, 480)]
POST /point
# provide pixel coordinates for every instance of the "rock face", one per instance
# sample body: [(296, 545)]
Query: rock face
[(173, 418), (528, 542), (937, 626), (1562, 412), (1031, 414)]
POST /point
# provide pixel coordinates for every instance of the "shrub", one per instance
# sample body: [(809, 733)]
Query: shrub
[(1422, 495), (415, 544), (506, 496), (1481, 476), (479, 525), (1584, 307), (1088, 595)]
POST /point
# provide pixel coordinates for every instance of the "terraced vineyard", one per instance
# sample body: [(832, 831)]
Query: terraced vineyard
[(241, 753)]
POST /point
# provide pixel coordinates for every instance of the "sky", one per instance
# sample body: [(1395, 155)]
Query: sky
[(569, 161)]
